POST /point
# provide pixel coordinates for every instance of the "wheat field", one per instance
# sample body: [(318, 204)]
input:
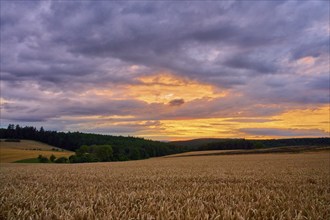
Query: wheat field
[(263, 186), (27, 145), (26, 149)]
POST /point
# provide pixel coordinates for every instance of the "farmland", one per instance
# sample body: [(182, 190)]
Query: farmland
[(253, 186), (290, 149), (26, 149)]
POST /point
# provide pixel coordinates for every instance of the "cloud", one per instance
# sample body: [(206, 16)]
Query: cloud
[(276, 132), (243, 62), (176, 102), (233, 59), (251, 120)]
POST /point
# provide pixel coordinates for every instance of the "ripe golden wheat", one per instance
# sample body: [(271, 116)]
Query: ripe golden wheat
[(265, 186)]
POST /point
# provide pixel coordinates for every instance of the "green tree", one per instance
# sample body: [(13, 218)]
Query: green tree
[(83, 150), (43, 159), (52, 158), (61, 160), (135, 154), (102, 152)]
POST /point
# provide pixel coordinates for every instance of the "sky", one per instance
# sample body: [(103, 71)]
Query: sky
[(167, 70)]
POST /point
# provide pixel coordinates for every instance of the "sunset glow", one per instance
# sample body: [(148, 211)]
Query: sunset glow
[(167, 70), (164, 88)]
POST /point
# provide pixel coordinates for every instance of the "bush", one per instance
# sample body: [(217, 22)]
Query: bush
[(73, 159), (61, 160), (52, 158), (43, 159), (95, 153), (102, 153)]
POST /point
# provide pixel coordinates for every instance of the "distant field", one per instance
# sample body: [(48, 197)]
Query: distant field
[(294, 149), (26, 149), (26, 144), (250, 186), (201, 153)]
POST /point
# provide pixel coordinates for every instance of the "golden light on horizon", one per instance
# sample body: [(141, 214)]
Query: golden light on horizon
[(228, 127), (312, 118)]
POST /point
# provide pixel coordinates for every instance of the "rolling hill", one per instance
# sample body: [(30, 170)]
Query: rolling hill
[(26, 149)]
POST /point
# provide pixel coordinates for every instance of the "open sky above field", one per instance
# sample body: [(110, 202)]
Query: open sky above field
[(167, 70)]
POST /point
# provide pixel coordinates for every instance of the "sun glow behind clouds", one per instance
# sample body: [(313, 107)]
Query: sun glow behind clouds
[(165, 87), (159, 88)]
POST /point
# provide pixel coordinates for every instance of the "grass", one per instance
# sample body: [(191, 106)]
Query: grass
[(26, 149), (252, 186)]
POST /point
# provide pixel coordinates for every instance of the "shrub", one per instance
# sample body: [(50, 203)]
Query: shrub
[(61, 160), (52, 158), (43, 159)]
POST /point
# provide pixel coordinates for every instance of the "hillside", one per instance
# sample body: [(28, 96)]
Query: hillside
[(27, 145), (232, 144), (195, 143), (289, 149), (26, 149)]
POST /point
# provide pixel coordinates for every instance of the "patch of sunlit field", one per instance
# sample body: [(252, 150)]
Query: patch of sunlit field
[(258, 186), (26, 149), (8, 155), (26, 145), (201, 153), (289, 149)]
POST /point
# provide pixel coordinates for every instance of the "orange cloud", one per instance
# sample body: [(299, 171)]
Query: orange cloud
[(159, 88), (165, 87), (306, 60)]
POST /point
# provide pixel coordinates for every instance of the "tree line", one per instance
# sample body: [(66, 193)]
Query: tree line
[(231, 144), (88, 147), (123, 148)]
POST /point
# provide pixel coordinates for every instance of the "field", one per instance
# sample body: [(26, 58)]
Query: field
[(253, 186), (26, 149), (290, 149)]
